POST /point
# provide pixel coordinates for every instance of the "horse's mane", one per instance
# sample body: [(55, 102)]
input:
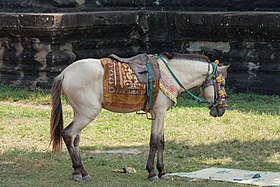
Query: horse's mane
[(189, 56)]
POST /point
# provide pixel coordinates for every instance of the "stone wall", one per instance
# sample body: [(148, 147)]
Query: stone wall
[(48, 6), (39, 38)]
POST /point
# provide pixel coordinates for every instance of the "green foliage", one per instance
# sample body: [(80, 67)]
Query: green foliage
[(12, 94), (246, 137), (20, 95)]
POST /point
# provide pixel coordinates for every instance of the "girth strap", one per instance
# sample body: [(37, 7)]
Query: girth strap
[(150, 85), (149, 94)]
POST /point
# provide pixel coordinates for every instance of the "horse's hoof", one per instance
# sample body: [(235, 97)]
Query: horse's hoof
[(86, 178), (77, 177), (154, 178), (163, 176)]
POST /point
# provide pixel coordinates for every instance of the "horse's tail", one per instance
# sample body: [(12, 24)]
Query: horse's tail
[(56, 121)]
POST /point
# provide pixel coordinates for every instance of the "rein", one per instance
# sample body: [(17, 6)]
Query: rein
[(201, 100)]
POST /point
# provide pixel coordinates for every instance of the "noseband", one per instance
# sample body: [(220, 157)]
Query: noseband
[(219, 86)]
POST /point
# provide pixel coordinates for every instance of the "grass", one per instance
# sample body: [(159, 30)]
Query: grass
[(246, 137)]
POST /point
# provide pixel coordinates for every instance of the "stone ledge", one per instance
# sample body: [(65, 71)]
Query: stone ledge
[(52, 24), (239, 25), (176, 5)]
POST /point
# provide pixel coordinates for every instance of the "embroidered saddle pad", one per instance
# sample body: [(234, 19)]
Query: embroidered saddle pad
[(122, 90)]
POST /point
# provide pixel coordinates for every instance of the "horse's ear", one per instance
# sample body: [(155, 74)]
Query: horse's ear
[(223, 70), (169, 55)]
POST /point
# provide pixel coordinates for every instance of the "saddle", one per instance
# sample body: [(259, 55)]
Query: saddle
[(138, 64)]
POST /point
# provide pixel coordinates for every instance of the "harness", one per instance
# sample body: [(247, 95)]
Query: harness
[(150, 89), (212, 79), (219, 86)]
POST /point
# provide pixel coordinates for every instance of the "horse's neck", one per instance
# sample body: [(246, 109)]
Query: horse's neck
[(191, 73)]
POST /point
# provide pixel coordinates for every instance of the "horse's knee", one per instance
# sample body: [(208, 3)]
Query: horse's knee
[(153, 141), (161, 142)]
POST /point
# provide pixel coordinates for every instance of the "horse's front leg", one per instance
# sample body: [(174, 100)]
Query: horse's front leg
[(160, 165), (156, 145), (153, 149), (160, 145)]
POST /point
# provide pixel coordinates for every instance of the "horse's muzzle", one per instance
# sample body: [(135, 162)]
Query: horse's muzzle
[(217, 111)]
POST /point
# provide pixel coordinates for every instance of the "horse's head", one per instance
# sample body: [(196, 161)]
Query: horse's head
[(213, 88), (214, 91)]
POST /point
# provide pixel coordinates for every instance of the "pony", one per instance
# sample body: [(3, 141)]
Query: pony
[(82, 84)]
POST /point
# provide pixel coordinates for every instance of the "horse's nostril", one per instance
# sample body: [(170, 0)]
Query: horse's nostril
[(213, 112)]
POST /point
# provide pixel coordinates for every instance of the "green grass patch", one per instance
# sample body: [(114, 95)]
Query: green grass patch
[(246, 137)]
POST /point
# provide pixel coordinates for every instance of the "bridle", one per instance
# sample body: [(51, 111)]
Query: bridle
[(212, 79), (215, 79)]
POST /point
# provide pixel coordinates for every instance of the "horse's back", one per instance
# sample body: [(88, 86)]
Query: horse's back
[(83, 73), (84, 69)]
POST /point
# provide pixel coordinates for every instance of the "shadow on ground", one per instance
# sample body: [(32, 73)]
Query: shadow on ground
[(32, 166)]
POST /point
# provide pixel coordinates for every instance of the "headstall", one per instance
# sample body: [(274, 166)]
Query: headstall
[(218, 82)]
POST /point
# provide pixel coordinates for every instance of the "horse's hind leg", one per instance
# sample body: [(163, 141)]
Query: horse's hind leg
[(71, 137), (71, 141), (85, 175)]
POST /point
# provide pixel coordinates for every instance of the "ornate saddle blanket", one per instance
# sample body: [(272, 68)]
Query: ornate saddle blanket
[(122, 90)]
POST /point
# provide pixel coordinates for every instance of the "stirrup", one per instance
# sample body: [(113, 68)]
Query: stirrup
[(152, 116)]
